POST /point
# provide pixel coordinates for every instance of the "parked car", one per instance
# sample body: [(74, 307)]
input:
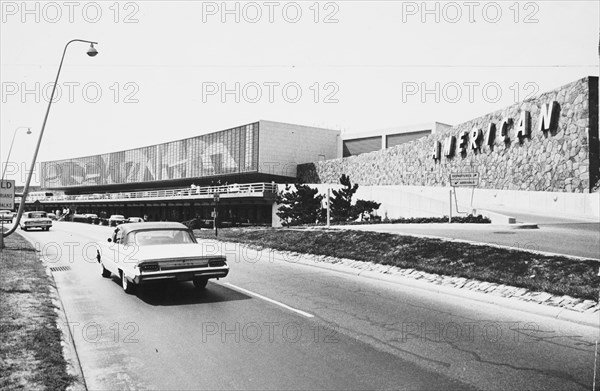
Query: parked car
[(35, 220), (79, 218), (6, 215), (135, 220), (160, 251), (115, 220), (92, 218)]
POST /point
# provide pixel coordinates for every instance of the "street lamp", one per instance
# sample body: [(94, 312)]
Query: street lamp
[(11, 146), (91, 52)]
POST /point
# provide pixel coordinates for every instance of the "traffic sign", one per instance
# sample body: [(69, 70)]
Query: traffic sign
[(7, 194), (464, 179)]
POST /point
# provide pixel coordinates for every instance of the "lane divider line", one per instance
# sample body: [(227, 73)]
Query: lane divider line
[(306, 314)]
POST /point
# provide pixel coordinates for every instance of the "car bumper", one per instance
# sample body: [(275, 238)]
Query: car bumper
[(182, 275), (38, 225)]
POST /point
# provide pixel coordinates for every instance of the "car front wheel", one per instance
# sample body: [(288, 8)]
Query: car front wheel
[(200, 283)]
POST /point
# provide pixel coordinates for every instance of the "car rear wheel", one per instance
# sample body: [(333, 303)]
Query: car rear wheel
[(128, 287), (105, 272), (200, 282)]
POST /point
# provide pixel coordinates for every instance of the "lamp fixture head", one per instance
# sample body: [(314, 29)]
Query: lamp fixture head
[(92, 50)]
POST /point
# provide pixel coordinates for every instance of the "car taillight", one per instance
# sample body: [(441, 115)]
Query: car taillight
[(217, 262)]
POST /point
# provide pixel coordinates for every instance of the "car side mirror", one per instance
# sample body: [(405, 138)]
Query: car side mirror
[(109, 240)]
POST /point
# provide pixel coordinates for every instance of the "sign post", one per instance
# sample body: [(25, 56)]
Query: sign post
[(7, 202), (465, 178), (215, 212)]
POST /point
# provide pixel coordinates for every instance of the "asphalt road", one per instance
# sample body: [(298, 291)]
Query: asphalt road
[(274, 324), (560, 236)]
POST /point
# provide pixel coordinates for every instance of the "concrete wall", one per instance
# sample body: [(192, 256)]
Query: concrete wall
[(562, 159), (425, 201), (283, 146)]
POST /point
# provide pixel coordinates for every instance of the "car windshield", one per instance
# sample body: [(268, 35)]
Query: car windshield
[(36, 215), (162, 236)]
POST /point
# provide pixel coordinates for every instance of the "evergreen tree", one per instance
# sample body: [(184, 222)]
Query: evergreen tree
[(341, 202), (301, 206), (364, 208)]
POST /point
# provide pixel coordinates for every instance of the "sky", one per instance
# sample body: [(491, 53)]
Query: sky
[(168, 70)]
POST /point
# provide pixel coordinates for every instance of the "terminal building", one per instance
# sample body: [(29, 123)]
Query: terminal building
[(177, 180), (357, 143), (538, 155)]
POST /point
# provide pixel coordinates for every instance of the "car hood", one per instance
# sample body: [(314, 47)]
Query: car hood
[(170, 251)]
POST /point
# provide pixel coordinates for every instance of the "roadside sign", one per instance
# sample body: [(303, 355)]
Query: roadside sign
[(464, 179), (7, 194)]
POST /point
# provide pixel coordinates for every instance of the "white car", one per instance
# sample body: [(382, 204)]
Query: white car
[(135, 220), (6, 215), (115, 220), (159, 251), (35, 220)]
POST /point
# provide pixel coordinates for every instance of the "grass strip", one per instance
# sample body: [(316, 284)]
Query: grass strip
[(553, 274), (31, 355)]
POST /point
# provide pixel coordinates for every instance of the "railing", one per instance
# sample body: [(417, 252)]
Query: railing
[(187, 192)]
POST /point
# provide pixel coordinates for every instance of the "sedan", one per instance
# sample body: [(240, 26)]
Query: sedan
[(35, 220), (6, 215), (135, 220), (115, 220), (160, 251)]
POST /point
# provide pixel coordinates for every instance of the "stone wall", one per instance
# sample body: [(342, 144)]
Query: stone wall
[(563, 158)]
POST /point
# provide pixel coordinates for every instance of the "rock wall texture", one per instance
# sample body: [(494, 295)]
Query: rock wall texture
[(564, 158)]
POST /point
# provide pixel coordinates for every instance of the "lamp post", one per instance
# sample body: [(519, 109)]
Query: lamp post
[(11, 146), (91, 52)]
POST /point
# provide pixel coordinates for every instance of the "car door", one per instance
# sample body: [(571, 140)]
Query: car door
[(111, 260), (127, 254)]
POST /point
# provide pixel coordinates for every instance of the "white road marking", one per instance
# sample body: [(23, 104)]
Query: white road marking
[(270, 300)]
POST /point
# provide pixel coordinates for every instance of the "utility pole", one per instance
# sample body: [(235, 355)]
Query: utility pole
[(328, 207)]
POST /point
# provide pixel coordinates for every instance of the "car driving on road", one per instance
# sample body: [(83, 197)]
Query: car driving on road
[(159, 251), (35, 220)]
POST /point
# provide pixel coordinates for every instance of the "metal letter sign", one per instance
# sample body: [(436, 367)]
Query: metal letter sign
[(7, 194), (464, 179)]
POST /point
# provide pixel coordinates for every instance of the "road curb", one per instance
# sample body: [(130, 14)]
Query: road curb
[(67, 343)]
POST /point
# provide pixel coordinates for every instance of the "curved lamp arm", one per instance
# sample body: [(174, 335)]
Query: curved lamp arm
[(11, 146), (39, 142)]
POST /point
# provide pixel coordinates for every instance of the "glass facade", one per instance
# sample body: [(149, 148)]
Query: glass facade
[(231, 151)]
